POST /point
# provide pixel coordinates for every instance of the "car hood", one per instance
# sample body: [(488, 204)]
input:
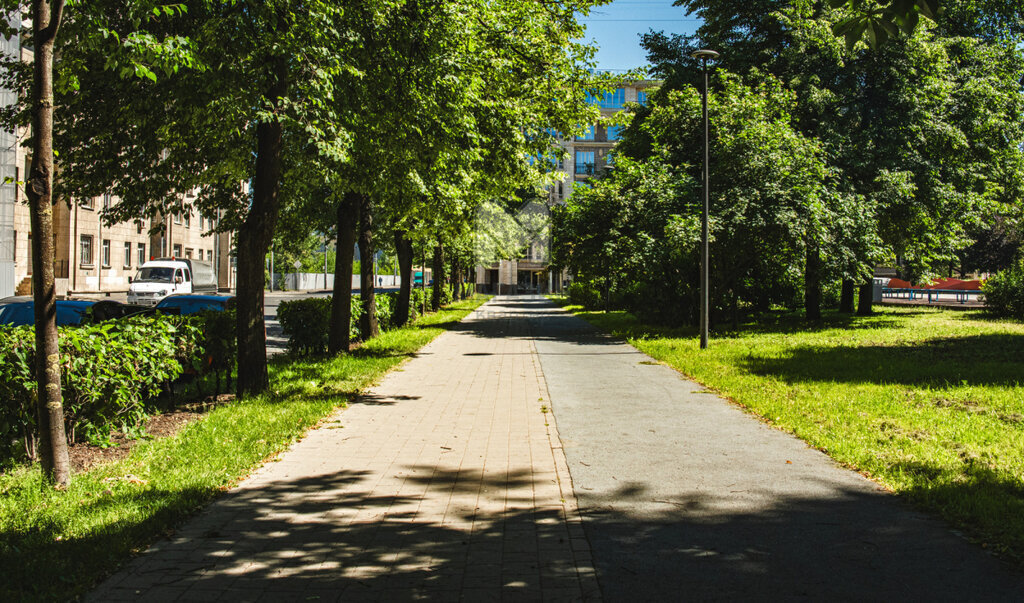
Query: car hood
[(146, 287)]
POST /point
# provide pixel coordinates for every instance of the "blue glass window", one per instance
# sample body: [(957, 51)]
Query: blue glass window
[(589, 135), (641, 97), (585, 162), (614, 133), (608, 100)]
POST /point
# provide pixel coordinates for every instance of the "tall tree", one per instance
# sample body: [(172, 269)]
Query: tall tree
[(46, 21)]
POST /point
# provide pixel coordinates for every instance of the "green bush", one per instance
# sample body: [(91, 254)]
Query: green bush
[(1004, 291), (585, 294), (307, 323), (109, 372), (386, 303), (219, 343)]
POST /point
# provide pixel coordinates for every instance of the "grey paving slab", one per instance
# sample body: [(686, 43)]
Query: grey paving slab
[(442, 482), (685, 497)]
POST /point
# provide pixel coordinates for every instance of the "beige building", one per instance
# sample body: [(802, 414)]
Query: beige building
[(93, 258), (587, 156)]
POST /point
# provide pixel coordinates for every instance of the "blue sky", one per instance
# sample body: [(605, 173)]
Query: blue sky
[(616, 29)]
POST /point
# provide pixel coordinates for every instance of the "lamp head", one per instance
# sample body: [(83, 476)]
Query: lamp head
[(705, 54)]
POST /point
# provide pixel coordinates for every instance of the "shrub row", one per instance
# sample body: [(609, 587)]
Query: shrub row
[(111, 373), (307, 322)]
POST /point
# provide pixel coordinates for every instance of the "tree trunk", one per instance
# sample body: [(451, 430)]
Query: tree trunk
[(403, 249), (864, 299), (367, 294), (339, 337), (53, 443), (846, 297), (254, 238), (435, 295), (812, 282)]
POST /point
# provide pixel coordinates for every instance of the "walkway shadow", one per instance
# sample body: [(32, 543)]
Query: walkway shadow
[(851, 546), (327, 538)]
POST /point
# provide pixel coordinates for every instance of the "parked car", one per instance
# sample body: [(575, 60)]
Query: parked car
[(20, 313), (159, 278), (191, 304)]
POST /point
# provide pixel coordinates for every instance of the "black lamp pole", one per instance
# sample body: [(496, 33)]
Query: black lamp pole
[(704, 56)]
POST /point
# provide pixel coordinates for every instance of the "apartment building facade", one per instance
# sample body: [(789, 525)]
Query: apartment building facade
[(586, 156)]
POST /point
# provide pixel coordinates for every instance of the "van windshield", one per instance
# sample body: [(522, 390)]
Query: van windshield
[(155, 275)]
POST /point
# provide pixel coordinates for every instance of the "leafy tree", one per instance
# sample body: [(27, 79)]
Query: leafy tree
[(255, 94), (85, 25)]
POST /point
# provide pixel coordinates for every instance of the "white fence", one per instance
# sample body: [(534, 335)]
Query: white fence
[(312, 281)]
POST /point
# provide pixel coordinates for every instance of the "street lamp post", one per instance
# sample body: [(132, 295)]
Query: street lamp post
[(704, 56)]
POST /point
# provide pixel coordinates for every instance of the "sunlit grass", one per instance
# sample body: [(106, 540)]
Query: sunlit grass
[(927, 402), (55, 545)]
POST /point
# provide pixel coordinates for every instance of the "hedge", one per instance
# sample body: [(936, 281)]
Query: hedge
[(307, 322), (111, 373)]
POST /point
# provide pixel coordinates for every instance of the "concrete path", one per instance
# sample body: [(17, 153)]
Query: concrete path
[(447, 481), (686, 497)]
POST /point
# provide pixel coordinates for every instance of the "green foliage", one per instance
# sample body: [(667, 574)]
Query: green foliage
[(307, 321), (584, 294), (110, 372), (1004, 292)]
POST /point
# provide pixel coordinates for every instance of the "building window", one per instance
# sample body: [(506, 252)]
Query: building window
[(608, 100), (641, 97), (89, 203), (188, 252), (85, 253), (188, 218), (202, 222), (177, 251), (106, 253), (106, 200), (141, 251), (614, 133), (589, 135), (209, 255), (127, 255), (585, 162), (177, 218)]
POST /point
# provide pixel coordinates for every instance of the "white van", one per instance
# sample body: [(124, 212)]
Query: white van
[(158, 278)]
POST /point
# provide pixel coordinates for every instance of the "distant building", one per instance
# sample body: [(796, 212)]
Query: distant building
[(8, 190), (587, 156)]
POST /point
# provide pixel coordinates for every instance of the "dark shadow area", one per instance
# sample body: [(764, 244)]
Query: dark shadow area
[(372, 399), (974, 360), (853, 546), (328, 538)]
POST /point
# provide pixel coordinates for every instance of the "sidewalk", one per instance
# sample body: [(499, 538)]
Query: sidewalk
[(447, 481)]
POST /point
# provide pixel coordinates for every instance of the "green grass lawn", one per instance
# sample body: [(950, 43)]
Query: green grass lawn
[(55, 545), (927, 402)]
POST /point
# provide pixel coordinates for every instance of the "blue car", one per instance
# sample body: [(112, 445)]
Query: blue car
[(191, 304), (69, 312)]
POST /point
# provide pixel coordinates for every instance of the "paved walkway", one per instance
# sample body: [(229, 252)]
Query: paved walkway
[(449, 481)]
